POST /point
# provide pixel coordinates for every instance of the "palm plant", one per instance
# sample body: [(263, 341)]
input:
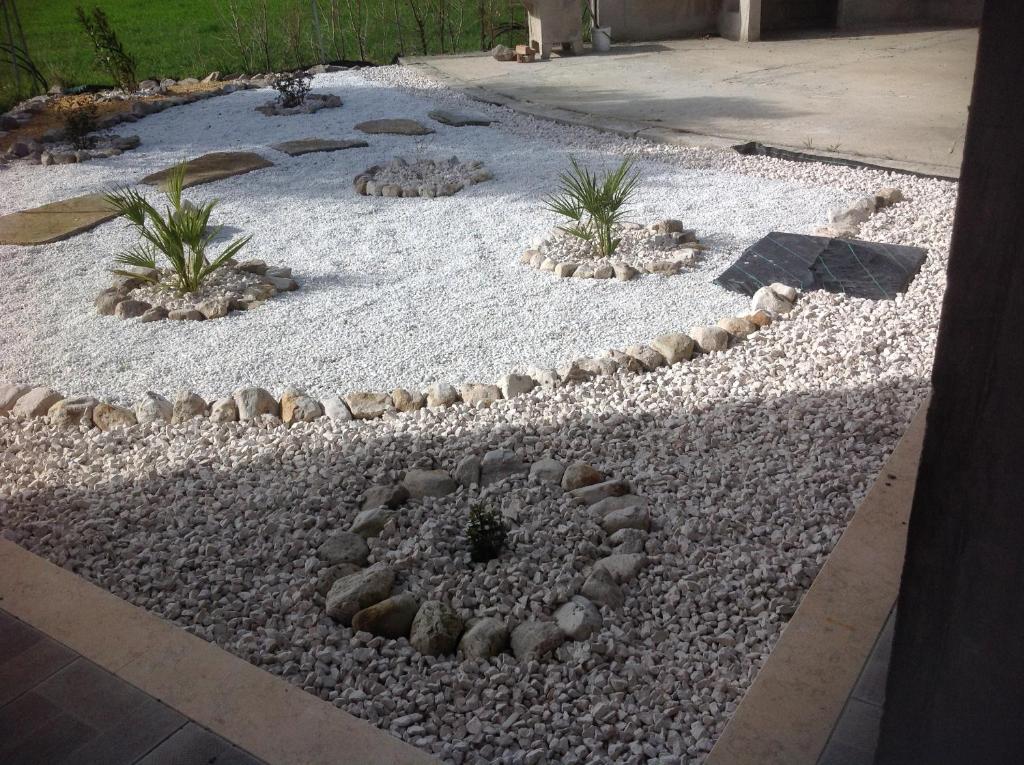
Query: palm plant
[(181, 235), (595, 206)]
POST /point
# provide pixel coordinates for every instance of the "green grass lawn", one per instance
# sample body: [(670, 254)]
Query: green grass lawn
[(190, 38)]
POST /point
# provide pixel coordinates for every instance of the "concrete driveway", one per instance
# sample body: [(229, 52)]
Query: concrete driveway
[(897, 99)]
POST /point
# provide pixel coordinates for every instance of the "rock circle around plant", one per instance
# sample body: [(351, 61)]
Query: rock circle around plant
[(310, 104), (420, 178), (100, 147), (663, 248)]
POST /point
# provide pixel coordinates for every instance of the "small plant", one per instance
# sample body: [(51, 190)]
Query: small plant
[(110, 54), (291, 88), (486, 532), (181, 235), (595, 206), (79, 124)]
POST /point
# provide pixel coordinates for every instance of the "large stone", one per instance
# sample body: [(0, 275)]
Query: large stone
[(368, 405), (153, 407), (600, 509), (36, 402), (467, 472), (354, 592), (784, 291), (252, 402), (131, 309), (330, 574), (513, 385), (499, 464), (214, 308), (546, 378), (212, 167), (856, 213), (624, 361), (186, 406), (623, 568), (311, 145), (475, 394), (484, 638), (602, 367), (107, 417), (710, 339), (441, 395), (407, 401), (296, 406), (628, 541), (335, 409), (632, 517), (9, 395), (547, 470), (369, 523), (624, 272), (574, 373), (580, 474), (106, 302), (888, 197), (674, 347), (534, 640), (429, 483), (390, 618), (737, 327), (647, 356), (72, 412), (578, 619), (596, 492), (769, 300), (224, 410), (436, 629), (458, 119), (601, 588), (344, 547), (394, 126), (55, 221), (385, 496)]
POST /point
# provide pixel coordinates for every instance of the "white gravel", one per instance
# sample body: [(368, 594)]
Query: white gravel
[(395, 292), (753, 460)]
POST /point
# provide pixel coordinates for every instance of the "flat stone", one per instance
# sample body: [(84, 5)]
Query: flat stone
[(534, 640), (498, 465), (547, 470), (429, 483), (369, 523), (358, 591), (458, 119), (212, 167), (596, 492), (385, 496), (675, 347), (55, 221), (580, 474), (601, 588), (368, 405), (36, 402), (107, 417), (313, 145), (484, 638), (394, 126), (436, 629), (578, 619), (390, 618), (344, 547), (622, 568)]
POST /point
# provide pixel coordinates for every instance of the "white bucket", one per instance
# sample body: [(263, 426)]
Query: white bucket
[(601, 39)]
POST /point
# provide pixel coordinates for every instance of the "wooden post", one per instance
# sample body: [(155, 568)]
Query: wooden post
[(956, 681)]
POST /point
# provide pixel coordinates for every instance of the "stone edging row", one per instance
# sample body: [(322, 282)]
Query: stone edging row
[(261, 407)]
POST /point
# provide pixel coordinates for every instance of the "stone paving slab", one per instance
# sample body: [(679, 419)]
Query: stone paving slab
[(394, 127), (311, 145), (213, 167), (459, 119), (55, 221)]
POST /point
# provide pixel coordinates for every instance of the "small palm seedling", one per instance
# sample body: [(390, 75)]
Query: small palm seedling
[(486, 532), (595, 206), (181, 235), (291, 88)]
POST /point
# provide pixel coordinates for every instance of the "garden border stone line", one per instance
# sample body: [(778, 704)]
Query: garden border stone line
[(55, 221), (212, 167)]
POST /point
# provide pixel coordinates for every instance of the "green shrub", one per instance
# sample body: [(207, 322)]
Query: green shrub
[(79, 124), (291, 88), (181, 235), (110, 54), (595, 206), (486, 532)]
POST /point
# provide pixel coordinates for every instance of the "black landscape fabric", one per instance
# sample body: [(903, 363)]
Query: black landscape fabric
[(859, 269)]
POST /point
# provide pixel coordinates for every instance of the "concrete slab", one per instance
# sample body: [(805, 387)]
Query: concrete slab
[(55, 221), (312, 145), (213, 167), (394, 127), (893, 99)]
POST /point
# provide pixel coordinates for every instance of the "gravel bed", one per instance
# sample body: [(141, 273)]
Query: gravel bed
[(753, 460), (394, 292)]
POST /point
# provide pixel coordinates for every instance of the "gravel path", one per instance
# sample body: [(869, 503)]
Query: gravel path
[(753, 460), (395, 292)]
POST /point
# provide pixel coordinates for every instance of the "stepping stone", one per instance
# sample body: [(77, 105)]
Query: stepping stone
[(396, 127), (213, 167), (459, 119), (312, 145), (55, 221)]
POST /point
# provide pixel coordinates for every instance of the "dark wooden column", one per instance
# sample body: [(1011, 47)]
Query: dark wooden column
[(956, 682)]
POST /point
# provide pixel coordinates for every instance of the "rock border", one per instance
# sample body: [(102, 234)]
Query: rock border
[(259, 407), (311, 104), (685, 252), (366, 184), (844, 222), (117, 299)]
